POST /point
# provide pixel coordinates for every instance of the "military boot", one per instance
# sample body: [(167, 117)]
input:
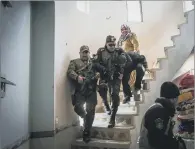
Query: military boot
[(107, 108), (86, 132), (137, 94), (126, 99), (86, 136), (112, 120)]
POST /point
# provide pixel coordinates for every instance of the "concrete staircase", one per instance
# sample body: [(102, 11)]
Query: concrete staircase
[(166, 67), (176, 55), (120, 137)]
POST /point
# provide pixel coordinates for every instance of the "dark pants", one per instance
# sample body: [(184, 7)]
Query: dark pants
[(114, 89), (88, 115), (126, 77), (103, 90)]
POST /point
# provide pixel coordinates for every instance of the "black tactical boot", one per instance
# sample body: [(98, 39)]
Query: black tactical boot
[(126, 100), (137, 94), (112, 120), (111, 124), (108, 110), (86, 136)]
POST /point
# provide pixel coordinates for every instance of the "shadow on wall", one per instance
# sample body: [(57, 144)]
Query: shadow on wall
[(65, 115)]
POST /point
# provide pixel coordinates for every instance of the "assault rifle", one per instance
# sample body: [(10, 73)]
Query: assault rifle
[(91, 75)]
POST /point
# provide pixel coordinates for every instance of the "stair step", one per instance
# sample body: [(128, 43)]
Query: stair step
[(122, 119), (121, 132), (103, 123), (118, 133), (99, 144), (128, 108)]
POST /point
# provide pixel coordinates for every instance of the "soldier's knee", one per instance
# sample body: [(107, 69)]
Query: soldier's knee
[(115, 99), (90, 109), (77, 108), (102, 89), (140, 70), (116, 90)]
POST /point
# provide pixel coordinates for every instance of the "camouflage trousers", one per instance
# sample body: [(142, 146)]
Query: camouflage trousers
[(114, 88), (88, 113)]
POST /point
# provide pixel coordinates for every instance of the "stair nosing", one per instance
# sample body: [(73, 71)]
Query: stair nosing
[(104, 143), (130, 127)]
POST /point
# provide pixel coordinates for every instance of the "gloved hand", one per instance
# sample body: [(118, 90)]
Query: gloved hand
[(97, 75), (106, 75), (120, 76), (80, 79)]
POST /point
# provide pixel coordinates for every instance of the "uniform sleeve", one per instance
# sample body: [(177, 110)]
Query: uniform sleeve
[(71, 71), (99, 68), (135, 42), (156, 123), (99, 55)]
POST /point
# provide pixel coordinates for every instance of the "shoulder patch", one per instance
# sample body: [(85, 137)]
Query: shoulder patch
[(102, 49), (159, 123)]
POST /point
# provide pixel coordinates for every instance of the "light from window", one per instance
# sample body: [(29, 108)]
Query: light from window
[(187, 6), (134, 11), (83, 6)]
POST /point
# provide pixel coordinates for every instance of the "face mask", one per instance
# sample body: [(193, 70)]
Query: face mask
[(111, 47)]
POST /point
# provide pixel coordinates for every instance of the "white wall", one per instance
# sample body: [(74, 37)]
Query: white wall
[(42, 67), (176, 57), (160, 22), (63, 54), (15, 57), (74, 28), (0, 71)]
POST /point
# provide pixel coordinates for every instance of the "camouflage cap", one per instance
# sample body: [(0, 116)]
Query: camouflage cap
[(110, 38), (84, 48)]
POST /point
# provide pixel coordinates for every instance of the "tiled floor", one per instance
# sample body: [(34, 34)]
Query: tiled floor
[(62, 140)]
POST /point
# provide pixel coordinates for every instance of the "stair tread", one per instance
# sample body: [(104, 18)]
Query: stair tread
[(123, 109), (103, 143), (127, 109), (101, 121), (104, 124)]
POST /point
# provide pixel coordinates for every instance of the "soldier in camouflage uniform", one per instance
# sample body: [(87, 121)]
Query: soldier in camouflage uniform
[(114, 60), (80, 71)]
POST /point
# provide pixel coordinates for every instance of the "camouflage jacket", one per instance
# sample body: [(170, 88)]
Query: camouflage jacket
[(78, 68), (114, 62)]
